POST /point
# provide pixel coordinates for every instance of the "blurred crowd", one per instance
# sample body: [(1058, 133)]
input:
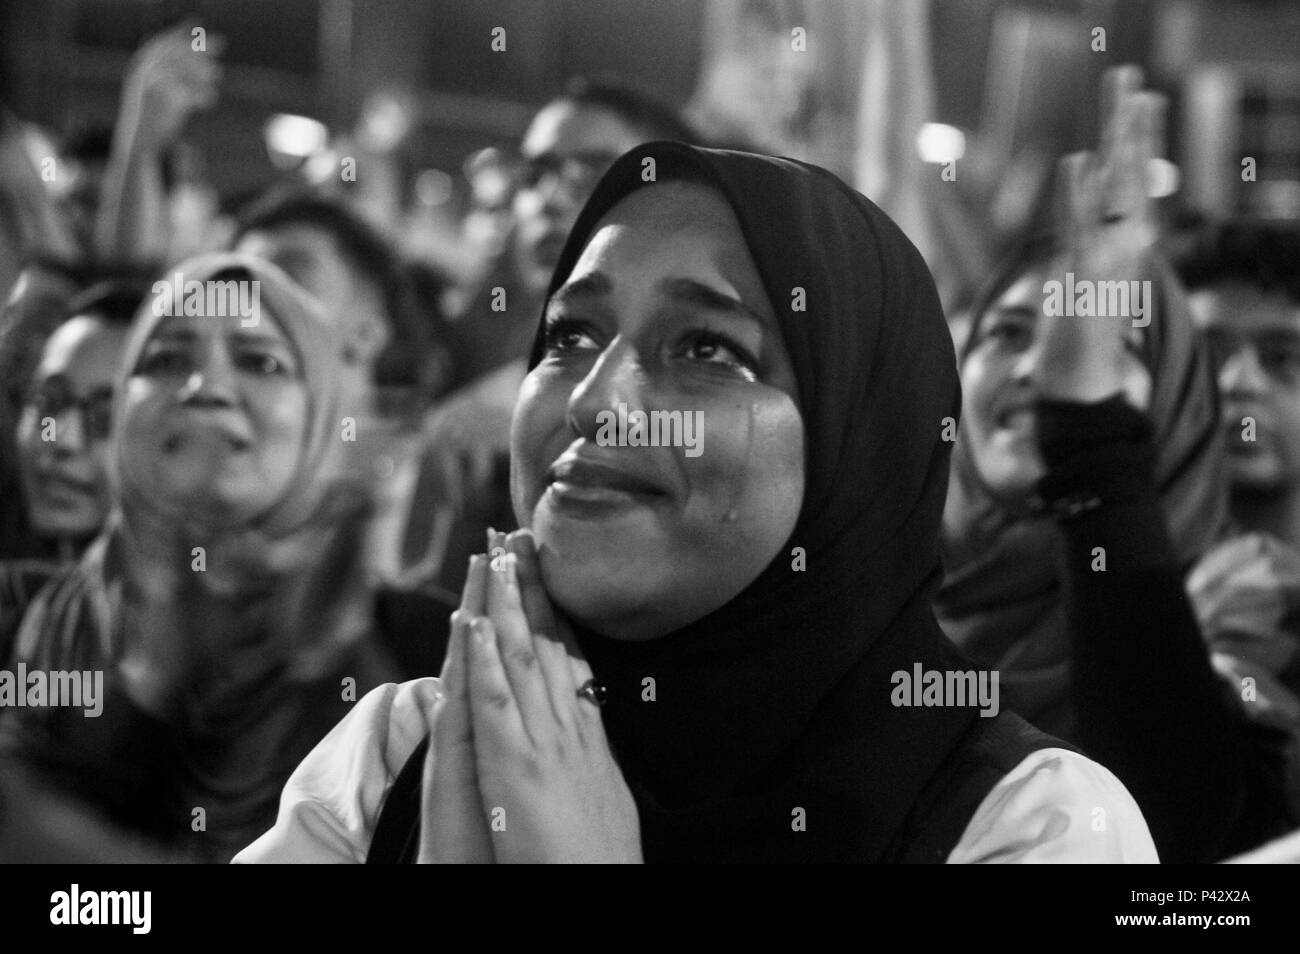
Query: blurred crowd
[(240, 609)]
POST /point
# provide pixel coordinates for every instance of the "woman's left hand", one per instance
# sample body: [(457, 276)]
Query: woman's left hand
[(551, 789)]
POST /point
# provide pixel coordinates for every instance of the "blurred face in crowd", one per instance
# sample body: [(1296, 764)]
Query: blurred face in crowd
[(565, 151), (64, 426), (998, 380), (215, 418), (79, 199), (663, 311), (311, 256), (1255, 339)]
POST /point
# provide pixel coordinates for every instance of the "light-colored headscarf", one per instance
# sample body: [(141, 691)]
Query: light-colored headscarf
[(280, 605)]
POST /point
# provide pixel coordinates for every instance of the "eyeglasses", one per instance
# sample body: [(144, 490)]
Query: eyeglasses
[(1276, 353), (496, 175), (53, 397)]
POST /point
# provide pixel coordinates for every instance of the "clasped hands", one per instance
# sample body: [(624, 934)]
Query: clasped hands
[(519, 768)]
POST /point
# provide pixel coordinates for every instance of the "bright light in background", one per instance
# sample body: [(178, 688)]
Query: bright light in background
[(433, 187), (1162, 178), (937, 142), (294, 137)]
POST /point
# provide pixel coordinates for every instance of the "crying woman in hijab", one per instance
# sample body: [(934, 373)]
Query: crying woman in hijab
[(223, 606), (1087, 481), (701, 656)]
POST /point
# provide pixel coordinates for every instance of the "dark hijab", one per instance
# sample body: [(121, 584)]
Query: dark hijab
[(780, 699), (1001, 600)]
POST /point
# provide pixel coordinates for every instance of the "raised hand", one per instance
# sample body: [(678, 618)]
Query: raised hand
[(1106, 222), (167, 82)]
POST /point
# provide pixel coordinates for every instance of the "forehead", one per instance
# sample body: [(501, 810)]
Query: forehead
[(1027, 289), (1243, 308), (296, 239), (83, 345), (566, 128), (220, 326), (678, 230)]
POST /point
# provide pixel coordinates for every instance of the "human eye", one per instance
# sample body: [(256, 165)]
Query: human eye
[(1009, 333), (711, 347), (164, 359), (565, 335), (261, 362), (1281, 361)]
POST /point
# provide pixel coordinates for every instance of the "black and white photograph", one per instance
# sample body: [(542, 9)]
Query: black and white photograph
[(630, 431)]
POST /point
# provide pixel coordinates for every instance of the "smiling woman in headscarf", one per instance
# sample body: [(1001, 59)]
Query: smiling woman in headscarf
[(1087, 481), (696, 658), (224, 601)]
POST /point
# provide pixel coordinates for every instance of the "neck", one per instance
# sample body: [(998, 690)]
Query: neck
[(67, 549), (1275, 512)]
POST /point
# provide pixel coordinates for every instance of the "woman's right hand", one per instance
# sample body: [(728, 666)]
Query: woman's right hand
[(453, 827), (1108, 226), (167, 82)]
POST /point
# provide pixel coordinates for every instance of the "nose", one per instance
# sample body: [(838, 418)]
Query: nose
[(69, 434), (1241, 375), (616, 378), (1024, 367), (556, 195), (212, 382)]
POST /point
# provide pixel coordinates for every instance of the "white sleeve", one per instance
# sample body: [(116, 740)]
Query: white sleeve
[(1056, 806), (330, 804)]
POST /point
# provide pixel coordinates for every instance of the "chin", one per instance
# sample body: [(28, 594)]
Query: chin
[(62, 526), (1011, 478), (1256, 476), (593, 590)]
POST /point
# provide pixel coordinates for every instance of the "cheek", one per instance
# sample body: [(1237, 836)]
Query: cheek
[(1137, 383), (980, 379), (28, 433), (527, 206), (142, 411), (279, 415), (538, 435), (750, 464)]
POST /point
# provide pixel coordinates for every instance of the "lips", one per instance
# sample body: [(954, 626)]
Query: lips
[(206, 428), (61, 484), (1015, 418), (583, 474)]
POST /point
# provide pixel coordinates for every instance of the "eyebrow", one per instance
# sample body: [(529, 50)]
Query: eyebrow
[(1015, 311), (241, 337), (686, 290), (591, 285), (253, 337), (697, 293), (1276, 335), (174, 334)]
